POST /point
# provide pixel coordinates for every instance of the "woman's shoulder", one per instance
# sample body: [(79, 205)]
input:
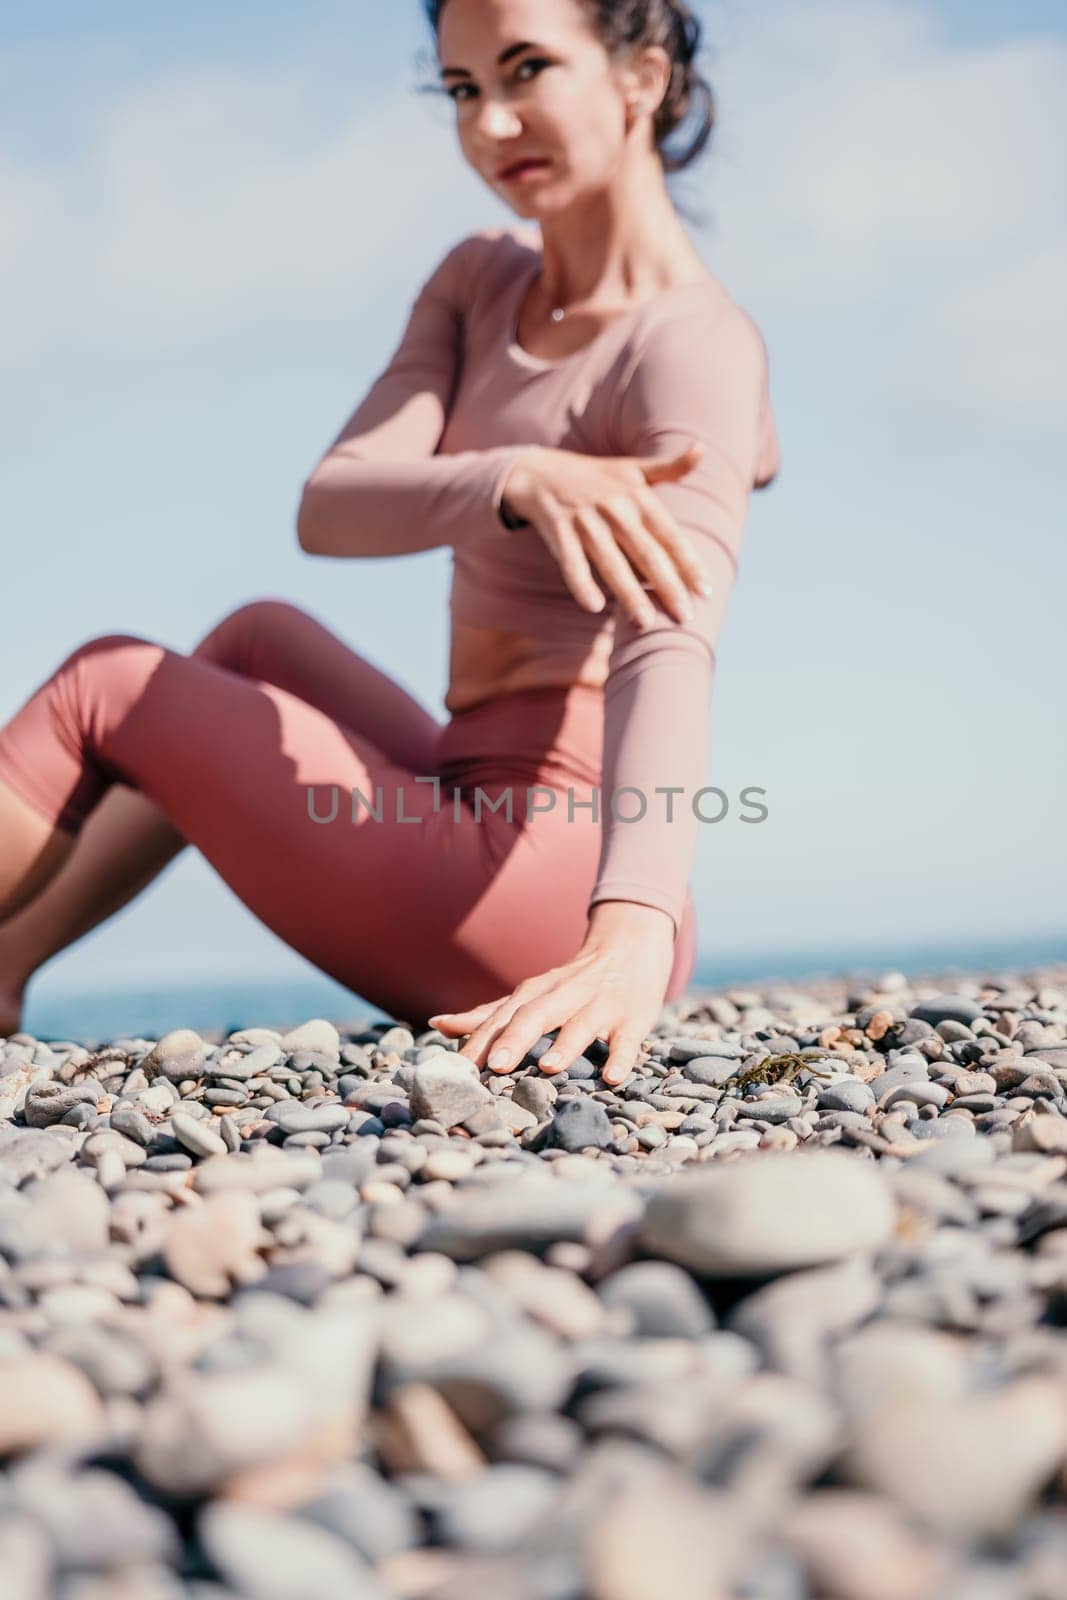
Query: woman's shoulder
[(696, 343), (739, 346), (701, 310)]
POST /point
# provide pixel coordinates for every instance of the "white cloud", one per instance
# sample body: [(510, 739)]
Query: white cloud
[(996, 352), (28, 216), (217, 198), (203, 204), (871, 172), (844, 163)]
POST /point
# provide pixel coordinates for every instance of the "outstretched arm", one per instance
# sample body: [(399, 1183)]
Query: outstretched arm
[(699, 377), (380, 490)]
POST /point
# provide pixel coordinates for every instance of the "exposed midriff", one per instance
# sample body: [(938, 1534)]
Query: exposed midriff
[(486, 662)]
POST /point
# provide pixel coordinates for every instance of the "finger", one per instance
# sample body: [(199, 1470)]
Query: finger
[(482, 1040), (566, 546), (601, 544), (623, 1053), (677, 544), (529, 1022), (465, 1020), (520, 1004), (649, 557), (658, 469), (479, 1047), (571, 1042)]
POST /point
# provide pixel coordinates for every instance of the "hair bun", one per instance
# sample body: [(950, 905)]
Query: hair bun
[(686, 30)]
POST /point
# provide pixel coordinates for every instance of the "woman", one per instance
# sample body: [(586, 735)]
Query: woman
[(583, 397)]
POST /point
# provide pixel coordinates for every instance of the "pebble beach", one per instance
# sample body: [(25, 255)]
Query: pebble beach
[(328, 1312)]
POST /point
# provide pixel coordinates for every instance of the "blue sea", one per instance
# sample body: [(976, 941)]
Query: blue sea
[(149, 1011)]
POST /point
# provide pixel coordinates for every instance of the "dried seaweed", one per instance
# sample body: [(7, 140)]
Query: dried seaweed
[(778, 1069)]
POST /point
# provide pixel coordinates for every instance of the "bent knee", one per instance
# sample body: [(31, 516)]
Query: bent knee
[(230, 639), (265, 612), (110, 643), (112, 664)]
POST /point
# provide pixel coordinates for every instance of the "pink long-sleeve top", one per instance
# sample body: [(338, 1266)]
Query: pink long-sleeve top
[(423, 460)]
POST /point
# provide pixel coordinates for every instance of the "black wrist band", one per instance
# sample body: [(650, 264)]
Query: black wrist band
[(509, 519)]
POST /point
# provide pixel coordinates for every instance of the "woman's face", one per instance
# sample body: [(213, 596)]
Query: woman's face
[(556, 98)]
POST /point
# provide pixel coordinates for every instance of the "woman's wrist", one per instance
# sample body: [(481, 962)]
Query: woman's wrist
[(509, 518), (621, 921), (517, 486)]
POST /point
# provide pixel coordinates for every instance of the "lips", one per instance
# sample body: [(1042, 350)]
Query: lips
[(515, 167)]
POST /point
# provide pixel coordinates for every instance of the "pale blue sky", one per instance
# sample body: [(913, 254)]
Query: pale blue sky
[(213, 223)]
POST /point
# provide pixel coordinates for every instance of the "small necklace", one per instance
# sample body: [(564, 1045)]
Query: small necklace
[(557, 313)]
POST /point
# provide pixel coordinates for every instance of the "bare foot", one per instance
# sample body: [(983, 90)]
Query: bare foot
[(11, 1004)]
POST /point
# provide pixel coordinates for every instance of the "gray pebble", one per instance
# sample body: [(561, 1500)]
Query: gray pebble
[(579, 1124)]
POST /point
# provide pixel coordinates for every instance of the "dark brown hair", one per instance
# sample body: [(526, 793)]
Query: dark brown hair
[(625, 25)]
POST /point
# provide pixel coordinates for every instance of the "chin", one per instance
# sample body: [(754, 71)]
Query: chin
[(549, 200)]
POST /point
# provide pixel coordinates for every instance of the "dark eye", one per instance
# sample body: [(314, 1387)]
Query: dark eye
[(454, 93)]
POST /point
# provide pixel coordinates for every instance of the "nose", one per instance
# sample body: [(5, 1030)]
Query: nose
[(494, 122)]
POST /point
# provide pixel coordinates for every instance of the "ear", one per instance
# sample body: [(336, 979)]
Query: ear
[(650, 73)]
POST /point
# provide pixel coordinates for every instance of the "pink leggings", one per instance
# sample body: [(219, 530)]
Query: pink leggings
[(252, 747)]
